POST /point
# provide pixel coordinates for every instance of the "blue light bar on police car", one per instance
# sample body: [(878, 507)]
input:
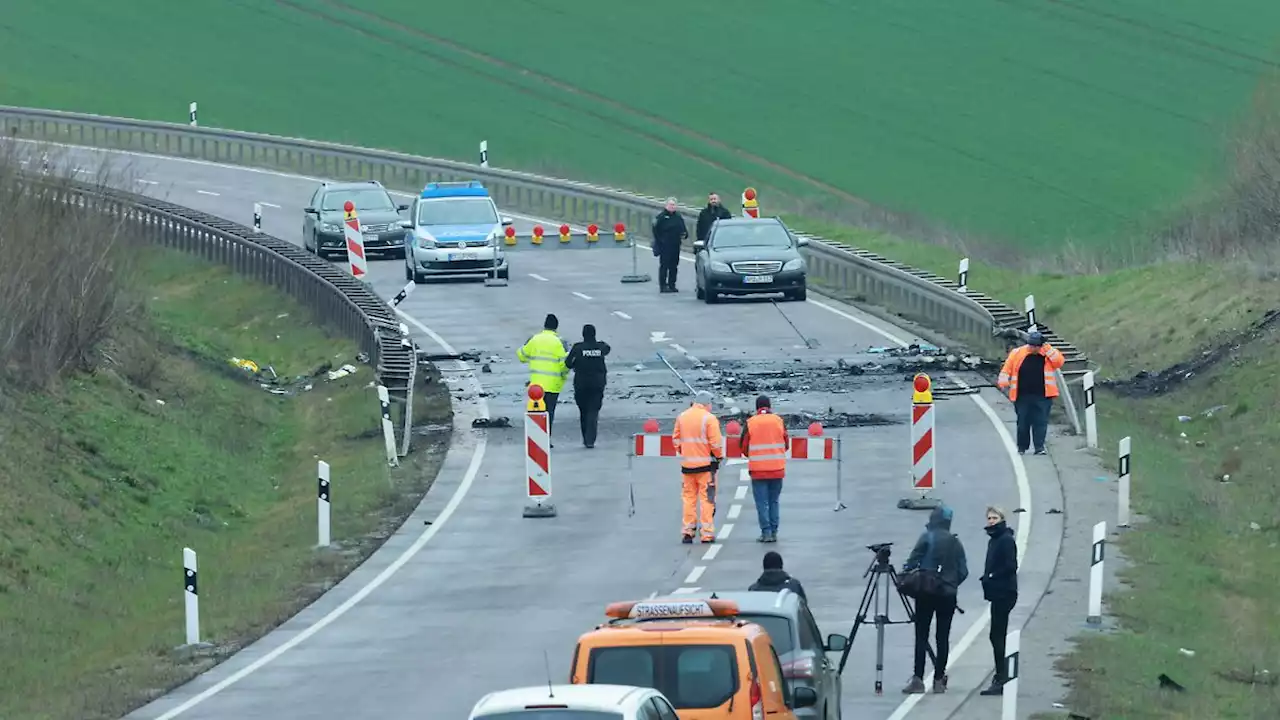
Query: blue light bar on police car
[(468, 188)]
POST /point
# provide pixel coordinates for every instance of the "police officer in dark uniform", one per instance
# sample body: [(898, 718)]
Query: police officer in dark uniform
[(586, 360)]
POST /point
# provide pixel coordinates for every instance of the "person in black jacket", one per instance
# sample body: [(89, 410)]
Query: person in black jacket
[(1000, 587), (669, 231), (586, 360), (712, 212), (774, 578), (940, 550)]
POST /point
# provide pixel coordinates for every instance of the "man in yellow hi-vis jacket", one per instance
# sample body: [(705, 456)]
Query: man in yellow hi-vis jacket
[(545, 354)]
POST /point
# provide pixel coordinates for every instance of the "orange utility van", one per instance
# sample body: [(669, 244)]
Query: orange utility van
[(709, 663)]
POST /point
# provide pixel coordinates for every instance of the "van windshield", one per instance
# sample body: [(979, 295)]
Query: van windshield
[(691, 676), (552, 714), (778, 627)]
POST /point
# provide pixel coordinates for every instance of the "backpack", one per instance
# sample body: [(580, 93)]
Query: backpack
[(922, 580)]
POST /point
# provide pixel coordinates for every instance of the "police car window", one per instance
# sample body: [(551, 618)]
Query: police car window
[(622, 666), (779, 629), (762, 235), (665, 711), (363, 198), (457, 211), (552, 714), (704, 676)]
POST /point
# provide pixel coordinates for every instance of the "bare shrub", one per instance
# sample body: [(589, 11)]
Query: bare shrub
[(65, 277)]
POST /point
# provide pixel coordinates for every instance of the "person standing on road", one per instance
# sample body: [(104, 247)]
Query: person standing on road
[(1028, 376), (586, 360), (774, 578), (669, 231), (698, 441), (765, 444), (545, 353), (712, 212), (1000, 588), (940, 551)]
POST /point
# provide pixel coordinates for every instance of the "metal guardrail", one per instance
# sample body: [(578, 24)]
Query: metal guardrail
[(338, 299), (840, 270)]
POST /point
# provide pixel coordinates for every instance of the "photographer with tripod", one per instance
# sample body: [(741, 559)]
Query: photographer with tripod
[(934, 570)]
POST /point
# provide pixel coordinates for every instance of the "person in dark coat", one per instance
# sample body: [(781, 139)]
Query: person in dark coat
[(669, 231), (940, 550), (712, 212), (1000, 588), (586, 360), (774, 578)]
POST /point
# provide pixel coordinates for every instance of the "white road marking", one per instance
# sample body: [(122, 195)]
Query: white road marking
[(270, 205), (653, 595), (711, 553), (1024, 488), (622, 315), (679, 348), (734, 511), (728, 400), (686, 591), (657, 337), (149, 182), (468, 479), (744, 475), (584, 297), (740, 493), (736, 461), (206, 192), (536, 276), (695, 574), (725, 532)]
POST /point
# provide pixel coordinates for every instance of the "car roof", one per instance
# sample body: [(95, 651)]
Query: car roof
[(781, 602), (577, 697), (352, 185), (747, 221)]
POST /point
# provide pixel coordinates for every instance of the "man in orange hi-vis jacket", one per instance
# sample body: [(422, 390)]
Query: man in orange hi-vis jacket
[(1029, 377), (701, 447), (765, 443)]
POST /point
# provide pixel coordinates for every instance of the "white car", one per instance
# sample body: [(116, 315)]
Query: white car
[(454, 229), (575, 702)]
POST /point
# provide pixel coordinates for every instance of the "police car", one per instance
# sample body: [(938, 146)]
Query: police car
[(574, 702), (454, 229)]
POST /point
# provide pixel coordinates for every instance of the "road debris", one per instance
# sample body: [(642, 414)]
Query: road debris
[(269, 380)]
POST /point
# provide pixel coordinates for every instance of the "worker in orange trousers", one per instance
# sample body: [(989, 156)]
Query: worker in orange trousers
[(700, 444)]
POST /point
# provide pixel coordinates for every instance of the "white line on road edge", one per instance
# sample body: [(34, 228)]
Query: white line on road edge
[(536, 276), (734, 511), (206, 192), (148, 182), (467, 479), (584, 297), (622, 315), (695, 573), (711, 552), (271, 205), (679, 348)]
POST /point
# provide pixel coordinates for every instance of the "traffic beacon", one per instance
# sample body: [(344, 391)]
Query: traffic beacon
[(750, 206), (923, 463), (510, 234), (537, 234), (355, 241), (593, 233), (537, 442), (564, 234)]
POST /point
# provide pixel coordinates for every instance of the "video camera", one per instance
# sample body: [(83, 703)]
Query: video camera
[(882, 552)]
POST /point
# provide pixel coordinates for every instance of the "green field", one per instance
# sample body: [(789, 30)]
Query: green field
[(164, 446), (1029, 122), (1041, 137)]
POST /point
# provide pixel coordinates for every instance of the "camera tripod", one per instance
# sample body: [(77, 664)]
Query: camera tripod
[(880, 574)]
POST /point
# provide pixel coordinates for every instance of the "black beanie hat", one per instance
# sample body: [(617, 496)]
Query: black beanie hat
[(772, 561), (551, 323), (588, 332)]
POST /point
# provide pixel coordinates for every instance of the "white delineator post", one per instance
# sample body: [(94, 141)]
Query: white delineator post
[(1090, 412), (1012, 653), (484, 153), (257, 217), (537, 441), (355, 241), (388, 430), (404, 293), (1030, 305), (324, 496), (964, 274), (1095, 573), (1125, 469), (191, 593), (191, 114)]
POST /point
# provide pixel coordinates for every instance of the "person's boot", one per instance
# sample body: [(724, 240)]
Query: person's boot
[(915, 687), (773, 538), (940, 685), (687, 539), (995, 688), (764, 537)]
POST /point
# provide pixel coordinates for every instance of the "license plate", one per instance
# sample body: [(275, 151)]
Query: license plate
[(757, 278), (461, 256), (371, 237)]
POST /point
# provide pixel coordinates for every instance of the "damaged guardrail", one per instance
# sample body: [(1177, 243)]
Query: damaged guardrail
[(840, 270)]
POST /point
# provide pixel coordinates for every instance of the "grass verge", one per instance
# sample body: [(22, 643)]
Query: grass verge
[(107, 477)]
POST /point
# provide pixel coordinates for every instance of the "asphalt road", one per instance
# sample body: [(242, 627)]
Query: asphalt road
[(468, 595)]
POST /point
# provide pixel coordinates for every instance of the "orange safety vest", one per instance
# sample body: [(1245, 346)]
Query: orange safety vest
[(1053, 359), (765, 443), (697, 438)]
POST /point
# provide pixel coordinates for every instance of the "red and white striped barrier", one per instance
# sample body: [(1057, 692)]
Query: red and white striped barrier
[(923, 461), (537, 442), (355, 241)]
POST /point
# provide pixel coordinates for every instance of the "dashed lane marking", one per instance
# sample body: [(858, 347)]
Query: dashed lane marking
[(711, 552), (584, 297), (270, 205), (622, 315), (695, 574), (740, 493), (679, 348), (725, 532), (734, 511), (536, 276), (148, 182), (207, 192), (686, 591)]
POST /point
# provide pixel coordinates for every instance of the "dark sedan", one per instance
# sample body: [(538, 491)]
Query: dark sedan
[(746, 256), (380, 222)]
